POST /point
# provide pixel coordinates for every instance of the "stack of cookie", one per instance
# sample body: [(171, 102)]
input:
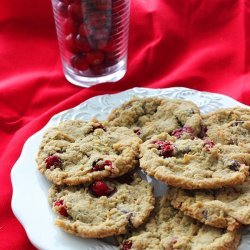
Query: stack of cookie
[(97, 191)]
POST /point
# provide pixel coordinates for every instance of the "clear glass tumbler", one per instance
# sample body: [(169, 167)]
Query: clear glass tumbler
[(93, 39)]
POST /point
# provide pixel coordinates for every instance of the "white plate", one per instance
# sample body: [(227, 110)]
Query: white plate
[(29, 200)]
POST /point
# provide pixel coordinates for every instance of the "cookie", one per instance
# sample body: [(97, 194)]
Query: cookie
[(194, 164), (222, 208), (104, 208), (170, 229), (228, 126), (150, 116), (76, 152)]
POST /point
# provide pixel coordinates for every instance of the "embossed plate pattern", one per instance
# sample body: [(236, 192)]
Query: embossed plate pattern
[(29, 200)]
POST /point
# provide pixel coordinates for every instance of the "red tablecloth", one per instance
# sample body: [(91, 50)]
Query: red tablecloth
[(198, 44)]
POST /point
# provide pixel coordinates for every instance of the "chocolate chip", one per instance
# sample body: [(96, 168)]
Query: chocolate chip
[(236, 123), (137, 131), (203, 132), (235, 165), (98, 126), (125, 179), (205, 214)]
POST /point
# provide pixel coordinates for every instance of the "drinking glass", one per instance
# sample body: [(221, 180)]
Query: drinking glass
[(93, 39)]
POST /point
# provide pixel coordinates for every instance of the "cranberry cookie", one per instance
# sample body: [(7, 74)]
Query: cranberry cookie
[(193, 164), (76, 152), (228, 126), (103, 208), (223, 208), (169, 229), (151, 116)]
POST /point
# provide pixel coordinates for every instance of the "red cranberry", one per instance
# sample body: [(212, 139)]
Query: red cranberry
[(70, 44), (79, 62), (101, 34), (62, 208), (166, 148), (82, 30), (53, 161), (78, 1), (101, 44), (208, 144), (96, 20), (95, 58), (66, 1), (75, 11), (111, 58), (70, 27), (126, 245), (62, 9), (100, 188), (104, 5), (110, 46), (99, 165), (97, 69), (82, 43), (180, 131)]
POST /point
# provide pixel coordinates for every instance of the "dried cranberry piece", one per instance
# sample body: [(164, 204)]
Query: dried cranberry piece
[(173, 242), (166, 148), (53, 161), (180, 131), (126, 245), (99, 165), (100, 188), (62, 209), (208, 144)]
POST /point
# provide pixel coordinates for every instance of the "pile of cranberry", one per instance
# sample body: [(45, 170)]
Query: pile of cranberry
[(92, 32)]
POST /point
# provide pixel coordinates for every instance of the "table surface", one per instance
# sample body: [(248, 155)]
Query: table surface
[(203, 45)]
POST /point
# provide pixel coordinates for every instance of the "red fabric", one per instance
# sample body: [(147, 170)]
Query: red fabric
[(197, 44)]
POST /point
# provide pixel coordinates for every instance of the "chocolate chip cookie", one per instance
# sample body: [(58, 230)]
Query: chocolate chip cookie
[(76, 152), (103, 208), (169, 229), (223, 208), (194, 164), (151, 116), (228, 126)]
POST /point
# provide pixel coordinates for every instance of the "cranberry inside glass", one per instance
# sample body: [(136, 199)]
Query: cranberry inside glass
[(93, 38)]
